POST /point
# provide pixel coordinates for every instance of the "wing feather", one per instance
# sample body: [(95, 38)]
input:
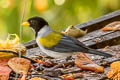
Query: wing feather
[(68, 44)]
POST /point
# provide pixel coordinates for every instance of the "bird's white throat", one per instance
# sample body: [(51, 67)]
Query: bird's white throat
[(44, 31)]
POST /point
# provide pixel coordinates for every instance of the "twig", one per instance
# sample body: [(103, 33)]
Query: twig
[(104, 78), (109, 61), (63, 64), (10, 51), (47, 77)]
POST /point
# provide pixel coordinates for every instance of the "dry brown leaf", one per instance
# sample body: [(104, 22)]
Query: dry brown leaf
[(39, 61), (114, 74), (84, 62), (4, 69), (4, 62), (19, 65), (37, 78), (68, 76), (114, 26), (74, 31), (4, 72)]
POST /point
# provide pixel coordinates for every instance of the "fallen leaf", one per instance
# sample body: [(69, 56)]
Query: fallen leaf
[(74, 31), (114, 74), (83, 62), (4, 69), (18, 79), (19, 65), (37, 78), (68, 76), (4, 62), (39, 61), (72, 76), (114, 26), (4, 72)]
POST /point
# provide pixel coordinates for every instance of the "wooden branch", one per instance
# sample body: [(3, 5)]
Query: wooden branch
[(10, 51)]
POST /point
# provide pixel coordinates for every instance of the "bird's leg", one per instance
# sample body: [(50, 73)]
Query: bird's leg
[(68, 58), (49, 57)]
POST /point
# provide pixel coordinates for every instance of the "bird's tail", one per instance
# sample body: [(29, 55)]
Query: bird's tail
[(93, 51)]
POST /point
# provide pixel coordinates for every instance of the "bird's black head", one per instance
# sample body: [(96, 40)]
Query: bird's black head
[(36, 23)]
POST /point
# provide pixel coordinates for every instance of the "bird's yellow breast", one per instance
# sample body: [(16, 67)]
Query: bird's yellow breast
[(51, 39)]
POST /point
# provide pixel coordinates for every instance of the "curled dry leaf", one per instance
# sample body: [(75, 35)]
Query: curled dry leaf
[(11, 43), (18, 78), (4, 72), (83, 62), (114, 26), (19, 65), (37, 78), (4, 69), (114, 74), (72, 76), (4, 62), (68, 76), (39, 61), (74, 31)]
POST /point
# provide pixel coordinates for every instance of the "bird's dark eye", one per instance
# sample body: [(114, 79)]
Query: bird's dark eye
[(31, 21)]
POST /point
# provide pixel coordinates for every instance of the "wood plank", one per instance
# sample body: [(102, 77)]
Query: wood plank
[(97, 39), (100, 22)]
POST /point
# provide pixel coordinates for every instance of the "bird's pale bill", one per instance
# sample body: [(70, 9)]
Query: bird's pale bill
[(25, 24)]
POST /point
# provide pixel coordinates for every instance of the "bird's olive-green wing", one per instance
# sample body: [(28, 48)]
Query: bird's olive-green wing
[(51, 39)]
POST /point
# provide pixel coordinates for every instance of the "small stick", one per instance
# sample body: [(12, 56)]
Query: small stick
[(108, 62), (47, 77), (10, 51), (104, 78), (63, 64)]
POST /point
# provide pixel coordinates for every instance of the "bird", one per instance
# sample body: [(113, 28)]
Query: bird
[(55, 44)]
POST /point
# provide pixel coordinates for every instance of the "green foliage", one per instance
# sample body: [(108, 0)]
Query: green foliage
[(59, 16)]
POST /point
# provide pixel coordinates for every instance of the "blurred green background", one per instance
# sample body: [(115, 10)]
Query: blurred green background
[(59, 13)]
